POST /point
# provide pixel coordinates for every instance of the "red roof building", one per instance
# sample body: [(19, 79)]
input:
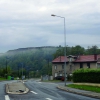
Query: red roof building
[(73, 63)]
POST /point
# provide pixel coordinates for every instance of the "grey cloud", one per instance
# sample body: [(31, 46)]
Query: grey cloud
[(28, 23)]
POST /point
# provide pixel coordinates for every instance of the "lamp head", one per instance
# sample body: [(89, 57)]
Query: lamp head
[(53, 15)]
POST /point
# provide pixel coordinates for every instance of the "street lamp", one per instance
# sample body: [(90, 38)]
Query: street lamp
[(64, 43)]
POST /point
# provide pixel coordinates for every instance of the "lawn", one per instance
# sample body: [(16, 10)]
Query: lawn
[(85, 87)]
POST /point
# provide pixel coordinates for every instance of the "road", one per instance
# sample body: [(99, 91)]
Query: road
[(41, 91)]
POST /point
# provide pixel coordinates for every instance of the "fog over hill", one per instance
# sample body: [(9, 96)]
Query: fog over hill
[(32, 58), (30, 48)]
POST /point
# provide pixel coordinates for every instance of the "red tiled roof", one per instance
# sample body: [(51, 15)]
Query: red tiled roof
[(81, 58), (60, 59)]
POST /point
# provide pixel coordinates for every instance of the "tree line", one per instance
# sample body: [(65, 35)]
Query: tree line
[(37, 62), (77, 50)]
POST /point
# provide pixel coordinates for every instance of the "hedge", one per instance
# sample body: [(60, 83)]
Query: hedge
[(87, 75)]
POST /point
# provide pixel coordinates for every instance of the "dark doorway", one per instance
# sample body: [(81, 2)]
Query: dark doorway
[(88, 65), (81, 65)]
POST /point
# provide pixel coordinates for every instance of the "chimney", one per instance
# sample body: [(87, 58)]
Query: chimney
[(60, 58), (95, 56), (78, 57)]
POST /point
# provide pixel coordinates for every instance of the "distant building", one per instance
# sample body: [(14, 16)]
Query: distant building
[(73, 63)]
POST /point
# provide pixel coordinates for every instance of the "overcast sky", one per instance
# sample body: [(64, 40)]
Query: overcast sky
[(28, 23)]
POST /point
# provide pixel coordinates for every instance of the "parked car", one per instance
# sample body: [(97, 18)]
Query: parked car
[(60, 78), (12, 78)]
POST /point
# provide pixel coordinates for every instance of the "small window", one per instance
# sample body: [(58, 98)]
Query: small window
[(81, 65), (60, 74), (55, 67), (55, 74)]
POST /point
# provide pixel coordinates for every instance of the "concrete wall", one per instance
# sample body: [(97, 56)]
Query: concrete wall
[(93, 65)]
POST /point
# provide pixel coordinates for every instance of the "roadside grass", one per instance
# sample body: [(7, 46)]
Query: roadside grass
[(2, 79), (51, 81), (85, 87)]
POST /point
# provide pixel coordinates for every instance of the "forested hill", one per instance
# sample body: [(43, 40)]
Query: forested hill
[(33, 59), (36, 61)]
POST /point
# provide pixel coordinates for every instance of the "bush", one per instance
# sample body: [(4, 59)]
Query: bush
[(87, 75), (69, 78)]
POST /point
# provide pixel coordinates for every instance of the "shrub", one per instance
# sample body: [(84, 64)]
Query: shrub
[(87, 75), (69, 78)]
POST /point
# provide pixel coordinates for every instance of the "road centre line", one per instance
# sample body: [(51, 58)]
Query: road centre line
[(33, 92), (7, 97), (48, 99)]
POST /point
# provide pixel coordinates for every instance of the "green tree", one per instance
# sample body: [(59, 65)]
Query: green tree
[(92, 50), (9, 71), (77, 50)]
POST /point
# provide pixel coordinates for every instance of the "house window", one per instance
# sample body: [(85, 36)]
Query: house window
[(62, 66), (60, 74), (55, 67), (88, 65), (55, 74), (98, 65), (81, 65)]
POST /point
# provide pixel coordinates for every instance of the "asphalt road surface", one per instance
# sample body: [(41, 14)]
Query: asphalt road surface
[(41, 91)]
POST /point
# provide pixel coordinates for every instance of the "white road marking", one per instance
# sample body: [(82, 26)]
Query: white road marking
[(33, 92), (48, 99), (7, 97), (39, 82)]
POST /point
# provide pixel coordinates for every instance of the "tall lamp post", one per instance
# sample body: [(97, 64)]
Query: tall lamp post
[(65, 45)]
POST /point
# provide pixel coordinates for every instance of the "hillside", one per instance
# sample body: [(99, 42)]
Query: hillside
[(33, 59)]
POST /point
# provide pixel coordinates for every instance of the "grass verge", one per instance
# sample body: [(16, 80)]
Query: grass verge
[(85, 87), (2, 79)]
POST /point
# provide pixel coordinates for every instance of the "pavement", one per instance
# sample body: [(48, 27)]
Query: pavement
[(16, 88), (81, 92)]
